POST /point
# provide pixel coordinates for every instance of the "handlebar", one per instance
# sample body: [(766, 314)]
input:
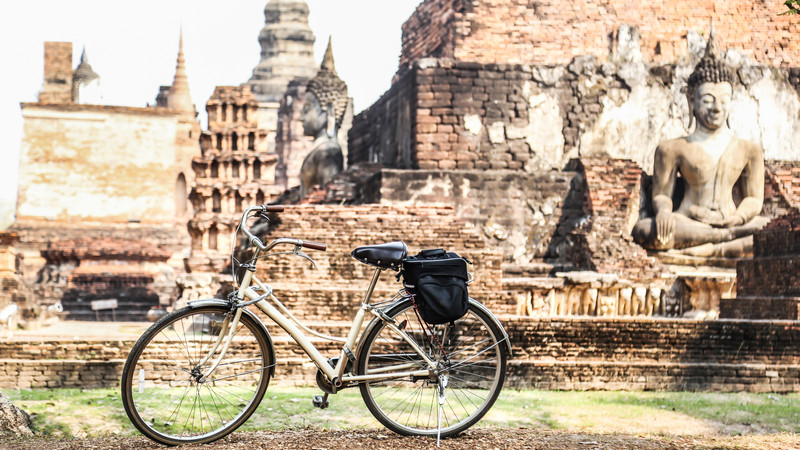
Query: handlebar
[(257, 242)]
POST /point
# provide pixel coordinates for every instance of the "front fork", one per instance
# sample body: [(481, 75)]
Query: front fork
[(226, 333)]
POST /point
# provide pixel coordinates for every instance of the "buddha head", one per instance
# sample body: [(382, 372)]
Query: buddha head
[(325, 100), (710, 88)]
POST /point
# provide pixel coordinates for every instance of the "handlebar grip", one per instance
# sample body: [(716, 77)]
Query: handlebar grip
[(272, 208), (315, 245)]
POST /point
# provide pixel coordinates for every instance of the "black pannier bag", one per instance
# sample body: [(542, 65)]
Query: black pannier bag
[(438, 281)]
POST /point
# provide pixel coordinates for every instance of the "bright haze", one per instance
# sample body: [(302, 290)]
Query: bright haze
[(133, 47)]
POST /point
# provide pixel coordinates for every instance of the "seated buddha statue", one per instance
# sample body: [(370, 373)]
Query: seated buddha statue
[(708, 163), (323, 111)]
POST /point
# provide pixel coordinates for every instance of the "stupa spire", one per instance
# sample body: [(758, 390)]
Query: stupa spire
[(179, 98), (327, 61)]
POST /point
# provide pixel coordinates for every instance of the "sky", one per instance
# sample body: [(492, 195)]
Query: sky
[(133, 46)]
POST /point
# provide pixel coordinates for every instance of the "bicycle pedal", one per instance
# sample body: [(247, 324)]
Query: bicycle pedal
[(320, 401)]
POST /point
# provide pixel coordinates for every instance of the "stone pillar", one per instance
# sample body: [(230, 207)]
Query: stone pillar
[(57, 88)]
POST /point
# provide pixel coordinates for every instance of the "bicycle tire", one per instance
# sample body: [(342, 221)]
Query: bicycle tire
[(163, 398), (477, 361)]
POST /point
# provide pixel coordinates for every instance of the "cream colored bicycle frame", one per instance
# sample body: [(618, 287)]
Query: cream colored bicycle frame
[(245, 291)]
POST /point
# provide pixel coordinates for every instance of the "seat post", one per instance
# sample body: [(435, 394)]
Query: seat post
[(372, 284)]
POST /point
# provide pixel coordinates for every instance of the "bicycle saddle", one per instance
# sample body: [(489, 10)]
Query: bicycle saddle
[(385, 256)]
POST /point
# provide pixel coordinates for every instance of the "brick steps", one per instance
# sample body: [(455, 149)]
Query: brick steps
[(554, 353), (636, 376), (539, 374), (760, 308)]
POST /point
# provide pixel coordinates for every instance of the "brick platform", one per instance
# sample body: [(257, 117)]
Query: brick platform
[(563, 353)]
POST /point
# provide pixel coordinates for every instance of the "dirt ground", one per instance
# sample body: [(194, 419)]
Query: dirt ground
[(476, 439)]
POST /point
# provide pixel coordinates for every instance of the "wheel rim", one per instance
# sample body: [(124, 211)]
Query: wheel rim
[(474, 377), (167, 392)]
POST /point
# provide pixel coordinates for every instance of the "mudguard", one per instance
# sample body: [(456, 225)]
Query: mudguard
[(219, 302)]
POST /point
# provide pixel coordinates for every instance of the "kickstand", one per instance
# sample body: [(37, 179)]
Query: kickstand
[(442, 386)]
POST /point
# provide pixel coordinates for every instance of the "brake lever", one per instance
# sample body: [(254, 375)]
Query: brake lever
[(297, 252)]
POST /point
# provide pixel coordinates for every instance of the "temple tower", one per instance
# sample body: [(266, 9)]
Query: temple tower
[(178, 98), (287, 52), (231, 174)]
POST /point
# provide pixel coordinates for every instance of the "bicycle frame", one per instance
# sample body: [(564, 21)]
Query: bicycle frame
[(246, 295)]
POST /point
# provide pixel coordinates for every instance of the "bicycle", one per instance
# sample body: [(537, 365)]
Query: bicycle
[(201, 371)]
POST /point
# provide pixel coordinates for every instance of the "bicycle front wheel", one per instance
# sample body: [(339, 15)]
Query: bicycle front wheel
[(472, 353), (163, 389)]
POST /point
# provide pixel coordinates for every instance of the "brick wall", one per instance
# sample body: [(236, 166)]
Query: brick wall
[(774, 271), (467, 115), (626, 354), (431, 30), (768, 285), (90, 182), (784, 177), (345, 228), (516, 212), (612, 203), (383, 132), (553, 32), (447, 96), (57, 87)]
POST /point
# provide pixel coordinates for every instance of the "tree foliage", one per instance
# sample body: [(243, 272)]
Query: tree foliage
[(793, 5)]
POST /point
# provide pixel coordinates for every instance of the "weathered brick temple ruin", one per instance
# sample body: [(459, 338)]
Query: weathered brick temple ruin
[(522, 137)]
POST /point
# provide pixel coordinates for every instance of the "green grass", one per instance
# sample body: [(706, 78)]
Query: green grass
[(99, 412)]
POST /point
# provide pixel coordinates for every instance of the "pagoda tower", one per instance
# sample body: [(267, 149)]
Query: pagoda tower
[(287, 53), (178, 98)]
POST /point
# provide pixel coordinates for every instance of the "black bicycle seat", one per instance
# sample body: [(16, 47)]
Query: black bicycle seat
[(385, 256)]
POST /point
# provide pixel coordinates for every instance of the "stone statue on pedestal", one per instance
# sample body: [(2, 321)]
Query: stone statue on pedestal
[(323, 112), (707, 163)]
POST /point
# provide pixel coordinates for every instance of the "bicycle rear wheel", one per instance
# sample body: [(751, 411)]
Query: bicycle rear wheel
[(476, 369), (163, 393)]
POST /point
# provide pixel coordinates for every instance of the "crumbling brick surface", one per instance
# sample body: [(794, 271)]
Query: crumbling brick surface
[(782, 189), (768, 285), (345, 228), (775, 269), (432, 29), (104, 248), (550, 31), (556, 353), (461, 115), (57, 87), (611, 203), (383, 132)]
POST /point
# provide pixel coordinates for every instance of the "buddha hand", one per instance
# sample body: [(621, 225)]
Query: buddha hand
[(732, 221), (665, 227), (706, 215)]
